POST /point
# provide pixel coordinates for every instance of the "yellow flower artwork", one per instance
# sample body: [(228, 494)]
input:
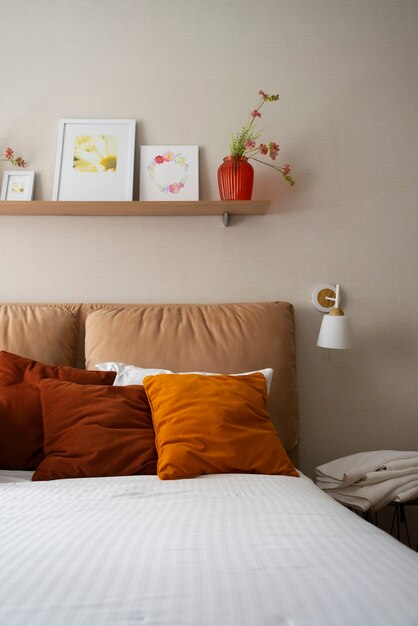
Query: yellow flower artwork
[(18, 187), (95, 153)]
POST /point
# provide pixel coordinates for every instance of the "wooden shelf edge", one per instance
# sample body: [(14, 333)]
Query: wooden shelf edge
[(135, 208)]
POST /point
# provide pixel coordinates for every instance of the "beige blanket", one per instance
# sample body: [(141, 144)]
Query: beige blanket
[(370, 480)]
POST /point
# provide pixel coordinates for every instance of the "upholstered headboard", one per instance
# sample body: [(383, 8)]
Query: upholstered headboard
[(224, 338)]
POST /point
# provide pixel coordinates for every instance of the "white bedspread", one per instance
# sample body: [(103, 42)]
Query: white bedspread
[(224, 550)]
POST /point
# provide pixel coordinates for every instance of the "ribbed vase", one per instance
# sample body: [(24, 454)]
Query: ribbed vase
[(235, 179)]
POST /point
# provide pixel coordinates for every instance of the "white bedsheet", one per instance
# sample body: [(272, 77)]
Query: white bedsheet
[(223, 550), (14, 476)]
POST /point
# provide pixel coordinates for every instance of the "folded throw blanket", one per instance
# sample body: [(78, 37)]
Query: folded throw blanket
[(375, 496), (370, 480), (410, 494), (349, 469)]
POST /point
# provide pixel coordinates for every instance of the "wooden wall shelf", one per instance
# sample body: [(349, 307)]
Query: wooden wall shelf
[(135, 208)]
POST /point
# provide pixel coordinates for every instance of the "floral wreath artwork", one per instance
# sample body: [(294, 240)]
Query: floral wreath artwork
[(158, 163)]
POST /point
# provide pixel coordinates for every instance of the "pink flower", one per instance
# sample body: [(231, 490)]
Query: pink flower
[(286, 169), (9, 155), (159, 159), (168, 156), (268, 98), (255, 113), (249, 144), (273, 150), (175, 187), (263, 148)]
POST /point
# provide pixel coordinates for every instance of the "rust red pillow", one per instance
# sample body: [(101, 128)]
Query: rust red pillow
[(15, 369), (95, 431), (21, 428)]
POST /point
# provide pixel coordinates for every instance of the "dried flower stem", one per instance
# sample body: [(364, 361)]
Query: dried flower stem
[(9, 156), (243, 144)]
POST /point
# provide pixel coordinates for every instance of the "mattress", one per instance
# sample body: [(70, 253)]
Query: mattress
[(232, 549)]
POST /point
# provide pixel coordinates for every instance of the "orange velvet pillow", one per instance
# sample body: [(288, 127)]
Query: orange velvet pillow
[(21, 429), (95, 431), (16, 369), (213, 425)]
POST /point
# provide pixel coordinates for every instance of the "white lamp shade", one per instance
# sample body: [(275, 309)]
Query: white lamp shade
[(335, 332)]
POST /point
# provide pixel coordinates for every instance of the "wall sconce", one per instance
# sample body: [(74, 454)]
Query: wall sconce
[(335, 329)]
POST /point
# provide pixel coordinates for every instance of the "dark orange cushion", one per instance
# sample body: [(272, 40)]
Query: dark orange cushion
[(21, 429), (16, 369), (214, 424), (95, 431)]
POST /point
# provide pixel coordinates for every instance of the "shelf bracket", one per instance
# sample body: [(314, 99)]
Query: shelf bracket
[(225, 218)]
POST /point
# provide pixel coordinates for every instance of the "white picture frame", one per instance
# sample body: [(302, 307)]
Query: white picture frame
[(169, 173), (95, 160), (17, 185)]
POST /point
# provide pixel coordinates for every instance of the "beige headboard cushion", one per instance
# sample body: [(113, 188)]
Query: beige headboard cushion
[(47, 333), (224, 338)]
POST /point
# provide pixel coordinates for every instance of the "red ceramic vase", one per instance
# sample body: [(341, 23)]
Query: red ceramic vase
[(235, 179)]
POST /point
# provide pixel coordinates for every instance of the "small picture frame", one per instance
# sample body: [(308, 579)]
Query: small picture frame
[(169, 173), (17, 185), (95, 160)]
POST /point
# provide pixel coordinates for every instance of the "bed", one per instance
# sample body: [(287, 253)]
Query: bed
[(231, 548)]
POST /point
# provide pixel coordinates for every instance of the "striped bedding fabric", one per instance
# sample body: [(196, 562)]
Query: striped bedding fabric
[(222, 550)]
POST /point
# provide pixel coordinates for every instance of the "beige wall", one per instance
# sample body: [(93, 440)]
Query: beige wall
[(189, 71)]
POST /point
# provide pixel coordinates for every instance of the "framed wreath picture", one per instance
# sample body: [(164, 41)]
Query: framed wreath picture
[(95, 160), (169, 173), (17, 185)]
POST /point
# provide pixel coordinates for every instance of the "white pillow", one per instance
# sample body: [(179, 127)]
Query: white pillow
[(129, 374), (132, 375)]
